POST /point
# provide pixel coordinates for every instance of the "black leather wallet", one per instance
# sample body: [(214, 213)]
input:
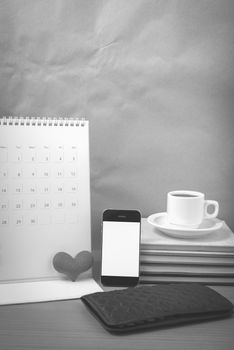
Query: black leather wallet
[(145, 307)]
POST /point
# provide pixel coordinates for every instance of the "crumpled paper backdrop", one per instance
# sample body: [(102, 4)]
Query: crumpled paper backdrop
[(155, 79)]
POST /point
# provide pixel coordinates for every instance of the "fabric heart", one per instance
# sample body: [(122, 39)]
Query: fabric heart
[(72, 267)]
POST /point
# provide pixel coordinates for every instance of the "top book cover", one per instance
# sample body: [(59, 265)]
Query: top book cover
[(218, 241)]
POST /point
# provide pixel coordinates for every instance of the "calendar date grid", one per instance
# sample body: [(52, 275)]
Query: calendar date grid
[(37, 184)]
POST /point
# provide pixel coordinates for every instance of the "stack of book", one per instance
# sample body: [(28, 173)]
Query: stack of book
[(208, 259)]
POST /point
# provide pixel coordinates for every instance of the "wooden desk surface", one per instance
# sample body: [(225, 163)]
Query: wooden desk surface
[(68, 325)]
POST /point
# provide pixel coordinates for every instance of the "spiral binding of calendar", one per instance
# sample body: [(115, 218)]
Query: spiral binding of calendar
[(42, 121)]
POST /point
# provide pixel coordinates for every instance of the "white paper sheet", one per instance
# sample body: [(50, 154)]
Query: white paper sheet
[(33, 292)]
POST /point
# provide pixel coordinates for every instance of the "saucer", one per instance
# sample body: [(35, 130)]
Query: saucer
[(160, 221)]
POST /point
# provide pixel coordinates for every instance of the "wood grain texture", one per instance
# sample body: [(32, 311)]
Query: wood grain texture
[(68, 325)]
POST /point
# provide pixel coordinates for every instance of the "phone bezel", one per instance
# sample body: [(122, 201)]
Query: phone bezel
[(122, 216)]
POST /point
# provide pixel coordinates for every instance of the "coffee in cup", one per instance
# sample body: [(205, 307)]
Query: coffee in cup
[(189, 208)]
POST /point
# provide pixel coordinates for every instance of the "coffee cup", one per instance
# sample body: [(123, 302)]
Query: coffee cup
[(189, 208)]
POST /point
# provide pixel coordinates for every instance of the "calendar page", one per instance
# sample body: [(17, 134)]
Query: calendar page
[(44, 194)]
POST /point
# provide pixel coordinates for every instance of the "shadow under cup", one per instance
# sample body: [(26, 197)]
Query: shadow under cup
[(189, 208)]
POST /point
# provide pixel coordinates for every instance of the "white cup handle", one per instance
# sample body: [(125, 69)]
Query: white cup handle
[(216, 209)]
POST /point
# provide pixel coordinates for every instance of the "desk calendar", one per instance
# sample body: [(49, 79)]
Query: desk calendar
[(44, 194)]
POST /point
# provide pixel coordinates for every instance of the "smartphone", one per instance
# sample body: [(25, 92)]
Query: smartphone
[(121, 233)]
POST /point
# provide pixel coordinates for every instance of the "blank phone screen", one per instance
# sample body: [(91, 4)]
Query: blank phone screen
[(120, 248)]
